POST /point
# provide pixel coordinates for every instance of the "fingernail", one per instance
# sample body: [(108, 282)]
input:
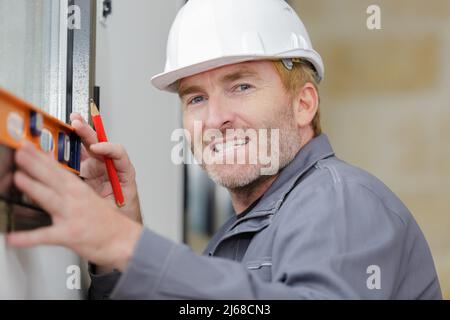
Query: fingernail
[(73, 115), (76, 123)]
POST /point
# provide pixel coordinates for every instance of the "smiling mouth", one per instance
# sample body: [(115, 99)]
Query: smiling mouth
[(230, 145)]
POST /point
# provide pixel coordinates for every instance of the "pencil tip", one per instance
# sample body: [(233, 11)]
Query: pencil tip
[(94, 109)]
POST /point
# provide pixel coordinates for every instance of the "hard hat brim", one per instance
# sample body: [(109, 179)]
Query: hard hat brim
[(167, 81)]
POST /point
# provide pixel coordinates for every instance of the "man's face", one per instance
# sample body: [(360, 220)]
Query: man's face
[(231, 105)]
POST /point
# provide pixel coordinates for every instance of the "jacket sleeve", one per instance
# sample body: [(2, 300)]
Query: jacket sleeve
[(329, 245), (162, 269)]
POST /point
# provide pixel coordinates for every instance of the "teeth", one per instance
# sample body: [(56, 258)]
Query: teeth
[(221, 147)]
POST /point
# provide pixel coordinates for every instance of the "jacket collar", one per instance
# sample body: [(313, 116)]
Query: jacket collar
[(261, 215)]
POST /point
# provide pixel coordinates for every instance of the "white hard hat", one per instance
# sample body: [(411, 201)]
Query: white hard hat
[(207, 34)]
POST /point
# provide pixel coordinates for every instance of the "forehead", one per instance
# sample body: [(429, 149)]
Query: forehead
[(261, 69)]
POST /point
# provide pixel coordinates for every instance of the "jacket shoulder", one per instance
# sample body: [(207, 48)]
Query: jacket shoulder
[(335, 179), (342, 212)]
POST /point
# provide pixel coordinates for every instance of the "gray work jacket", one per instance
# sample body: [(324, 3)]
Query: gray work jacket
[(323, 230)]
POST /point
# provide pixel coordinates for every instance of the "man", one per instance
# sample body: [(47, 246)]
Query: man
[(310, 227)]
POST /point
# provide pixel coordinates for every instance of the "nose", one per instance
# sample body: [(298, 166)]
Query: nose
[(218, 114)]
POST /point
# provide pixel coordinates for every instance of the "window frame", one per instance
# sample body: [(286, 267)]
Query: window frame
[(81, 60)]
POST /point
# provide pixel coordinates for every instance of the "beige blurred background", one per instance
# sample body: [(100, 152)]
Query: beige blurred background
[(386, 101)]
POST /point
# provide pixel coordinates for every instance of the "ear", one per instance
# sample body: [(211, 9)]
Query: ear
[(305, 105)]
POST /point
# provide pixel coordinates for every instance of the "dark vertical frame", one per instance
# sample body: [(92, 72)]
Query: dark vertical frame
[(69, 73)]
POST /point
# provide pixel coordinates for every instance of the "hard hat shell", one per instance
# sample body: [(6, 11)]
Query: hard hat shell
[(208, 34)]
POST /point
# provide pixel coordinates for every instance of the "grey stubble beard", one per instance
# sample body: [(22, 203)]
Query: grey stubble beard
[(250, 177)]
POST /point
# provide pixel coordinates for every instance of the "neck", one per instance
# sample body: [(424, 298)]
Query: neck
[(243, 197)]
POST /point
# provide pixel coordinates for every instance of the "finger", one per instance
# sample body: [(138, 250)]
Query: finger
[(86, 133), (41, 236), (45, 197), (40, 166), (84, 153), (76, 116), (114, 151), (78, 123)]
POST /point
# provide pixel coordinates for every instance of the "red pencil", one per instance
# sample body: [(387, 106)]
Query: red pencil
[(112, 173)]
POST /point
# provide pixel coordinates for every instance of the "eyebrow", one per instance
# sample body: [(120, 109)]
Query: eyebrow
[(239, 74), (188, 90), (230, 77)]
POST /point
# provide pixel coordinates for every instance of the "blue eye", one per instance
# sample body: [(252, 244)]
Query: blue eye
[(242, 87), (196, 100)]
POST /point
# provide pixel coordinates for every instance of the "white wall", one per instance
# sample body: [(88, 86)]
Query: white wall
[(130, 49), (37, 273)]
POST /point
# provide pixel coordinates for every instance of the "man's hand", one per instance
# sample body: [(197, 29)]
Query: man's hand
[(82, 220), (94, 172)]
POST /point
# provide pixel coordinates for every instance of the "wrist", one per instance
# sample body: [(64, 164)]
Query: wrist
[(136, 207), (124, 243), (132, 207)]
